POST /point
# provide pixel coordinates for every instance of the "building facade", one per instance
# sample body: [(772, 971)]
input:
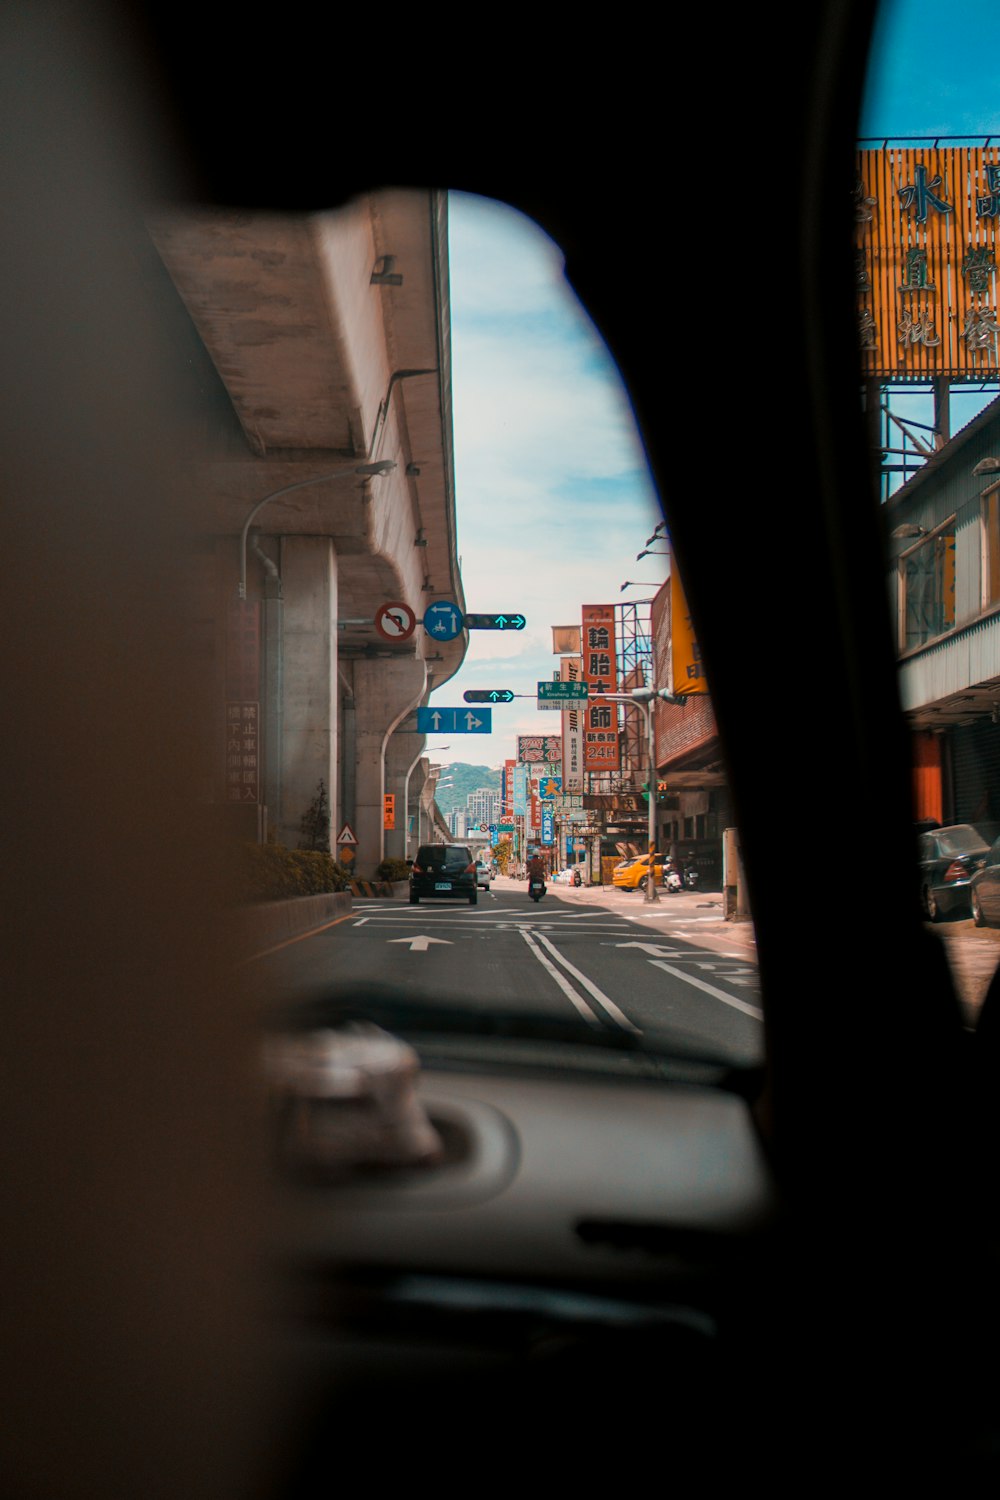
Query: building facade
[(943, 530)]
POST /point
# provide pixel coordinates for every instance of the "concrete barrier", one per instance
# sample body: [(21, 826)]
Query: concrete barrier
[(268, 923)]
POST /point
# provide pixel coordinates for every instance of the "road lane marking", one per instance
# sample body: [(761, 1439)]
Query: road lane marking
[(563, 983), (609, 1005), (750, 1010), (420, 942)]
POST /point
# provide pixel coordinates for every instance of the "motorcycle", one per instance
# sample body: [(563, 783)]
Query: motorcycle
[(672, 879), (577, 879), (536, 889), (691, 877)]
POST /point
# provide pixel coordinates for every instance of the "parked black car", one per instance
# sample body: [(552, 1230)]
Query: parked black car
[(444, 870), (984, 890), (949, 858)]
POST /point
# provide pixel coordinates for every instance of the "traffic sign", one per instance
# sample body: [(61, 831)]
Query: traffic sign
[(509, 621), (443, 620), (454, 721), (488, 695), (395, 621), (563, 692)]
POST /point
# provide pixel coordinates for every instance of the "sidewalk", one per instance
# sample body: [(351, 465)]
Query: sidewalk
[(694, 916)]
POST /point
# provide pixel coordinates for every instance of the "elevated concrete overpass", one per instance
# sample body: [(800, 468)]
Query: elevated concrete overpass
[(331, 337)]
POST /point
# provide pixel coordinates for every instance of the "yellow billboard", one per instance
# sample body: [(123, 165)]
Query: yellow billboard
[(925, 262), (685, 656)]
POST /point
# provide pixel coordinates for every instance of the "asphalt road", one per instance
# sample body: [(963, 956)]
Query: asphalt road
[(673, 971)]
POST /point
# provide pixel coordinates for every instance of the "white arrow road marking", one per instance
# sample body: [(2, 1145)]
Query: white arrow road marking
[(750, 1010), (422, 943), (654, 948), (609, 1005)]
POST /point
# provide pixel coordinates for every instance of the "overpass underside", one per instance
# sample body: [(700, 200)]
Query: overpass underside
[(325, 465)]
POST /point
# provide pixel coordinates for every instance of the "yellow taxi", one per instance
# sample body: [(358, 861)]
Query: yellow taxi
[(631, 874)]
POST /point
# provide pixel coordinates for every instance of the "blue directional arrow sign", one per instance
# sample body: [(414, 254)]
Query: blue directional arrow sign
[(454, 721), (443, 620)]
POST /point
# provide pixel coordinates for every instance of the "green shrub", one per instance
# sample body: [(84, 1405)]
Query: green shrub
[(393, 869), (270, 872)]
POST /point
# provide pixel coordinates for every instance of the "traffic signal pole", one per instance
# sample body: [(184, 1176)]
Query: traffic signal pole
[(645, 698)]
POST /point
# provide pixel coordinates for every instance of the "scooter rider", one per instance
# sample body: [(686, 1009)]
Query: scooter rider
[(536, 872)]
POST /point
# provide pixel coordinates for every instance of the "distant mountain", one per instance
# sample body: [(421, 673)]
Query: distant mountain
[(465, 779)]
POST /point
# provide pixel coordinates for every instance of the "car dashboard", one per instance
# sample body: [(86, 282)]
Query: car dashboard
[(576, 1227)]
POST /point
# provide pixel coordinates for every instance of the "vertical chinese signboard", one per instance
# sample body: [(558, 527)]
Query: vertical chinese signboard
[(571, 670), (601, 750), (925, 262), (507, 808), (388, 812), (242, 766)]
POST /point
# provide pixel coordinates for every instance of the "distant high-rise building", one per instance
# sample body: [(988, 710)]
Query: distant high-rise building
[(484, 806)]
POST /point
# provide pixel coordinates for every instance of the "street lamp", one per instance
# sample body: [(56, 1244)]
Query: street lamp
[(645, 698), (383, 466)]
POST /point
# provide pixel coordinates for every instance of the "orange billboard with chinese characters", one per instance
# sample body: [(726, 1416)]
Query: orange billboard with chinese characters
[(601, 749), (925, 262), (389, 811), (685, 655)]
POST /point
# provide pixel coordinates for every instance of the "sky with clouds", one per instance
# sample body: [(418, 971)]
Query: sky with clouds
[(554, 497)]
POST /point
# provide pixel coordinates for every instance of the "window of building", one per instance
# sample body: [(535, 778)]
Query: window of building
[(990, 521), (927, 588)]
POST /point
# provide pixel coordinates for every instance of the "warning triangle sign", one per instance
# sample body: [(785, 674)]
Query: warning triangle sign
[(347, 835)]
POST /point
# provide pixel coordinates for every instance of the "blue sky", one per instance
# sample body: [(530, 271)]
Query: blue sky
[(554, 499), (934, 70)]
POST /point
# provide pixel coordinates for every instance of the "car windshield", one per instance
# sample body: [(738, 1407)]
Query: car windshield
[(501, 677)]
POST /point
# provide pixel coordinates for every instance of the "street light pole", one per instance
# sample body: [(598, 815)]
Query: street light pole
[(645, 698), (383, 466)]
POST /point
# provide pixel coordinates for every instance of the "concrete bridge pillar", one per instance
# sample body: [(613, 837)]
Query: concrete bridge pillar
[(400, 754), (385, 691), (309, 696)]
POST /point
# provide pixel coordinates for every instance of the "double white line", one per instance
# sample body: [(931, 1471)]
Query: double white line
[(617, 1017)]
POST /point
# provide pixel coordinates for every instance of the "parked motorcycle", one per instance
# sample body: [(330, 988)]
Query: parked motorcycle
[(690, 877), (536, 889), (577, 878)]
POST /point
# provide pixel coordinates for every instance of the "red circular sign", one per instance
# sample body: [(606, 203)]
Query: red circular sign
[(395, 622)]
